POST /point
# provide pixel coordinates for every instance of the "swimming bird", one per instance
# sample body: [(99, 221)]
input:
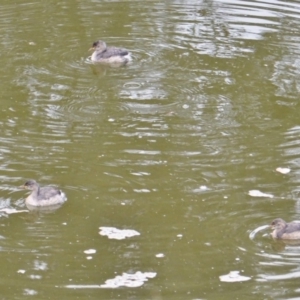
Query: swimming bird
[(43, 196), (283, 230), (109, 55)]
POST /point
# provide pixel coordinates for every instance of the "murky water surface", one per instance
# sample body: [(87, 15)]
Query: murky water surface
[(179, 148)]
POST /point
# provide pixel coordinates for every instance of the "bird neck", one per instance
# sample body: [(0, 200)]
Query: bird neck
[(36, 189), (281, 230)]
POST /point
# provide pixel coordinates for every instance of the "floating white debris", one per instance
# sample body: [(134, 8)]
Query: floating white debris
[(130, 280), (118, 234), (11, 210), (21, 271), (89, 257), (233, 276), (257, 193), (141, 190), (90, 251), (283, 170), (179, 235), (159, 255), (29, 292), (201, 189)]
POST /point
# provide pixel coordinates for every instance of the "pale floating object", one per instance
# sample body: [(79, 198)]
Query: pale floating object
[(89, 257), (129, 280), (90, 251), (29, 292), (21, 271), (12, 210), (179, 235), (257, 193), (201, 189), (160, 255), (233, 276), (283, 170), (141, 190), (117, 234)]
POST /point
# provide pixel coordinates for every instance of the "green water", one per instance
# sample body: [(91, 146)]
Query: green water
[(169, 146)]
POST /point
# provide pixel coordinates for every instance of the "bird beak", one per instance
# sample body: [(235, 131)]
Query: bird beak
[(92, 49)]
